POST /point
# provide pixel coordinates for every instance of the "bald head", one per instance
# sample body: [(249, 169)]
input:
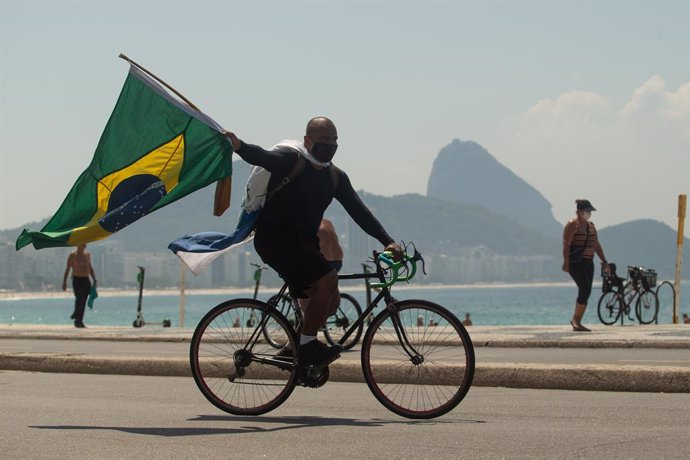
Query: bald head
[(319, 126), (321, 139)]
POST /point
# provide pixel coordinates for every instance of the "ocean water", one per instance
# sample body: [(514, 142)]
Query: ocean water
[(488, 305)]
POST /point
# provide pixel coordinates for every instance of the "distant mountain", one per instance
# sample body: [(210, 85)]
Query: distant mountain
[(645, 242), (465, 172), (431, 223), (455, 232), (444, 227)]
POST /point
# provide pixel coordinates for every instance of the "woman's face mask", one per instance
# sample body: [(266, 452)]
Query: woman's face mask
[(323, 152), (586, 214)]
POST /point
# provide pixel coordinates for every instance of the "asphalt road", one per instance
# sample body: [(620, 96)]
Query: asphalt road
[(110, 416), (621, 356)]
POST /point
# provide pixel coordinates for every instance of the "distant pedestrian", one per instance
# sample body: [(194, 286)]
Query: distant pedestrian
[(79, 262), (467, 321), (686, 318), (580, 243)]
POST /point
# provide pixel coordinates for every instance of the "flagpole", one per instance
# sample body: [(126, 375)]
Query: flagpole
[(159, 80), (221, 201)]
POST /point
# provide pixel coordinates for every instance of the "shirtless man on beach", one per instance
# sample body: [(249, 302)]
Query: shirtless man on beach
[(328, 242), (79, 262)]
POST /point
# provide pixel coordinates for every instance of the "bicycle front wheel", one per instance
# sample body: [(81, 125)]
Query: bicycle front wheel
[(419, 360), (285, 306), (647, 307), (233, 367), (339, 323), (609, 308)]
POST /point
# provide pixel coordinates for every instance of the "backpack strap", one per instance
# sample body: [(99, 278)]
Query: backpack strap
[(296, 170), (335, 177)]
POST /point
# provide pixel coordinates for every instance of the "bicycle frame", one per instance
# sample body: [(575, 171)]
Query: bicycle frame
[(383, 294), (390, 305)]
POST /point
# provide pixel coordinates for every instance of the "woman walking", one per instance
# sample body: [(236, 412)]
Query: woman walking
[(580, 243)]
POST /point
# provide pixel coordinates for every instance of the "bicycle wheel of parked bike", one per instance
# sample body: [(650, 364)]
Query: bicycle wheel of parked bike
[(428, 371), (231, 364), (286, 307), (339, 322), (609, 308), (647, 307)]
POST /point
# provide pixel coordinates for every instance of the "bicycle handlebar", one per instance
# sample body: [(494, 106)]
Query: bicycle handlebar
[(403, 270)]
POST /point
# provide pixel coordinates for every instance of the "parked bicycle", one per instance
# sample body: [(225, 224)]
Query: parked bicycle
[(417, 357), (336, 324), (620, 294)]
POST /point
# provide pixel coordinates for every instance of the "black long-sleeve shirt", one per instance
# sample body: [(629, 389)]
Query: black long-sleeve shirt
[(299, 206)]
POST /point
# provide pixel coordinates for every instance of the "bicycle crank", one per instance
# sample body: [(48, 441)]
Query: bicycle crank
[(312, 377)]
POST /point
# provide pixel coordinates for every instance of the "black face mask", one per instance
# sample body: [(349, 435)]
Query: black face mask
[(324, 152)]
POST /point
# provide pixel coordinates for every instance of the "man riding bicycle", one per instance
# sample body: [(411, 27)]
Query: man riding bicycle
[(286, 234)]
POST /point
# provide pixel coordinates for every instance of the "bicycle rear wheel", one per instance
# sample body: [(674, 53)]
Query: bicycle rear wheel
[(609, 308), (439, 373), (647, 307), (339, 322), (234, 369), (286, 307)]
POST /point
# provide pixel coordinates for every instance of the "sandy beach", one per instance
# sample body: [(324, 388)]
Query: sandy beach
[(105, 292)]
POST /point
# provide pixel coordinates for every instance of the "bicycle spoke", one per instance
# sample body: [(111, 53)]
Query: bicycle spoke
[(235, 378), (609, 308), (438, 374)]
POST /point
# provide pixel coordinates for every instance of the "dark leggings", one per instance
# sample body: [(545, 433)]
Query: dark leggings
[(82, 288), (583, 274)]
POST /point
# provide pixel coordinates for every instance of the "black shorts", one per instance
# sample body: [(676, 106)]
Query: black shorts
[(297, 259), (336, 265)]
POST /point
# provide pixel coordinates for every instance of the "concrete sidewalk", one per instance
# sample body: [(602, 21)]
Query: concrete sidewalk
[(598, 377)]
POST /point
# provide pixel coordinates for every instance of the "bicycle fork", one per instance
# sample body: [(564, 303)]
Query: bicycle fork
[(415, 357)]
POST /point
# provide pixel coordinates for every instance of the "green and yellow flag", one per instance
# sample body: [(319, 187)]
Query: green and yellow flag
[(154, 150)]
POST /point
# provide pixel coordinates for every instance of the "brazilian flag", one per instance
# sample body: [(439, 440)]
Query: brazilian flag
[(154, 150)]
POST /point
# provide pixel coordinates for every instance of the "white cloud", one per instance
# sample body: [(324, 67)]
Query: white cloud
[(653, 100), (632, 161)]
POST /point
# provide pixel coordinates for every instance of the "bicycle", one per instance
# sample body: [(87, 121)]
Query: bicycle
[(416, 356), (619, 294), (335, 326)]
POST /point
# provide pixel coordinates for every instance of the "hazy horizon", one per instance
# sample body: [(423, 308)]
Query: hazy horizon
[(578, 98)]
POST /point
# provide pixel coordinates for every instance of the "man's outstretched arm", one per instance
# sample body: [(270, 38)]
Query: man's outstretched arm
[(255, 155), (359, 212)]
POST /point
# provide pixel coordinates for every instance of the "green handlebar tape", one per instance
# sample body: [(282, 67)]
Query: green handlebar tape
[(387, 258)]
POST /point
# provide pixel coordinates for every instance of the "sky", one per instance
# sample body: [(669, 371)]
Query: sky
[(581, 99)]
